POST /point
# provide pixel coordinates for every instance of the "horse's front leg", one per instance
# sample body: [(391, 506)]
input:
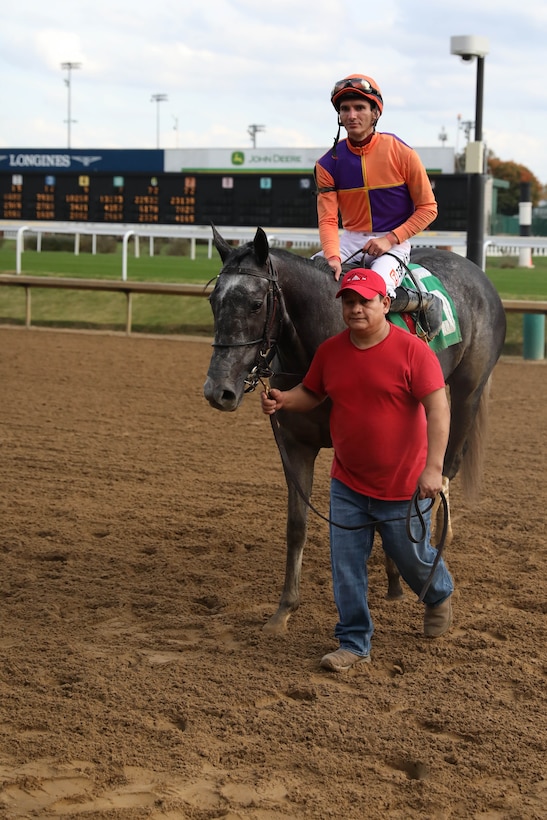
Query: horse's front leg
[(394, 588), (302, 463)]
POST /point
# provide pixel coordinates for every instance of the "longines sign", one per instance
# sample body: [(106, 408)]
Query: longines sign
[(28, 159), (40, 161)]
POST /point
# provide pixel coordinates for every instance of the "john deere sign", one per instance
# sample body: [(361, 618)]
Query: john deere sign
[(222, 160)]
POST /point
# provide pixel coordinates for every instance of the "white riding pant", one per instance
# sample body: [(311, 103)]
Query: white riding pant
[(385, 265)]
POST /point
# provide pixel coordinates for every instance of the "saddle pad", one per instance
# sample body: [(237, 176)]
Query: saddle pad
[(450, 331)]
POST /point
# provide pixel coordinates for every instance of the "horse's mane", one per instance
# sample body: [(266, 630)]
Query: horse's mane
[(317, 263), (241, 252)]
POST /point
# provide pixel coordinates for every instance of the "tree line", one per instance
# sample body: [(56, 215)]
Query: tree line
[(513, 173)]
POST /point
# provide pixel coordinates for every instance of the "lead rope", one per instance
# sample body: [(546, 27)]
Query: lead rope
[(442, 539)]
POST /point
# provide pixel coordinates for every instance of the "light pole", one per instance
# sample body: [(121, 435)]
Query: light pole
[(468, 47), (69, 67), (158, 98), (252, 131)]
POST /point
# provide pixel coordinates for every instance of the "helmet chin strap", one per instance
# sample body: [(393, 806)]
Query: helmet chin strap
[(337, 138)]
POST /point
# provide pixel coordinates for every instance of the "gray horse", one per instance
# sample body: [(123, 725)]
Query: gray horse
[(273, 308)]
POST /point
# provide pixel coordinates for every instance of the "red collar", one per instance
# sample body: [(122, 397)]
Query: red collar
[(361, 143)]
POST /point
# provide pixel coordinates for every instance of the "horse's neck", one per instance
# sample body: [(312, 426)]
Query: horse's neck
[(291, 350), (311, 312)]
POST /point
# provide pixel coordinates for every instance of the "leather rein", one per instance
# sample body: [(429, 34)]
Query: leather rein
[(261, 370)]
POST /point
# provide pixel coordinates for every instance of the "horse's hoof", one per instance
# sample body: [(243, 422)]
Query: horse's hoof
[(395, 594), (277, 624)]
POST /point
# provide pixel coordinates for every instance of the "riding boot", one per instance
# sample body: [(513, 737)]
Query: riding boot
[(428, 306)]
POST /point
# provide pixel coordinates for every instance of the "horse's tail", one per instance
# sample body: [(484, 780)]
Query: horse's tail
[(473, 457)]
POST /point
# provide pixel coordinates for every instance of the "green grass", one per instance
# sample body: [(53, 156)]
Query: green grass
[(513, 282), (145, 268), (168, 314)]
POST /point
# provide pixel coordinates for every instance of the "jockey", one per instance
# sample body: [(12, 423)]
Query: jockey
[(380, 188)]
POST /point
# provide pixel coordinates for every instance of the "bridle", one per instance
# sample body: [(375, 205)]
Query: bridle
[(272, 324)]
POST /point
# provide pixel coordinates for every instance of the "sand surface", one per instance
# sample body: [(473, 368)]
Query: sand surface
[(142, 550)]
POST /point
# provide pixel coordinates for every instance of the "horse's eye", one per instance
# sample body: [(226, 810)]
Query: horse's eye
[(255, 307)]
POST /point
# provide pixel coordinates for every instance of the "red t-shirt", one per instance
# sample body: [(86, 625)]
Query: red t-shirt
[(378, 424)]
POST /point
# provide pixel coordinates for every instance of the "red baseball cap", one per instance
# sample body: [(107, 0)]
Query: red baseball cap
[(366, 283)]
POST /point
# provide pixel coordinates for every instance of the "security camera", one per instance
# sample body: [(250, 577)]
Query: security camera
[(469, 46)]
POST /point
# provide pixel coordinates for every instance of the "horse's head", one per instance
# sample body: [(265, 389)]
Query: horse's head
[(244, 309)]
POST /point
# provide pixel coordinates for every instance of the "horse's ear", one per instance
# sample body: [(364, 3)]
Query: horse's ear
[(220, 244), (261, 246)]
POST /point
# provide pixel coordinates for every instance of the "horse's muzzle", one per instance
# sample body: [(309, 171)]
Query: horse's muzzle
[(221, 398)]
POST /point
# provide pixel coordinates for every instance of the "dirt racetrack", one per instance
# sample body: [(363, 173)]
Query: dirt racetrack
[(142, 549)]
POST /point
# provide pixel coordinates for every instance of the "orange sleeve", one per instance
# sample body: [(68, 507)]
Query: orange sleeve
[(327, 213), (422, 196)]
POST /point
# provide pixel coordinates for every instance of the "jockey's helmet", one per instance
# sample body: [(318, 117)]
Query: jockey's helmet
[(355, 86)]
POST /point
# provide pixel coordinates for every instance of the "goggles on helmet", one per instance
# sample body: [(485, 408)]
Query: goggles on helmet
[(358, 84)]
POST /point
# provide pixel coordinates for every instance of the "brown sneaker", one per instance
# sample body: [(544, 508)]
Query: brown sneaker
[(342, 660), (438, 619)]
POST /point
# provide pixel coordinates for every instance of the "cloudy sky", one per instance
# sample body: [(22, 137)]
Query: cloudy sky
[(228, 64)]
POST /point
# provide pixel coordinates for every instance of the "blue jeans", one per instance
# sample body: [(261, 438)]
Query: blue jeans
[(350, 551)]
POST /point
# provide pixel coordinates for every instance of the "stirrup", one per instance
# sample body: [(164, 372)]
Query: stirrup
[(427, 306), (430, 316)]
